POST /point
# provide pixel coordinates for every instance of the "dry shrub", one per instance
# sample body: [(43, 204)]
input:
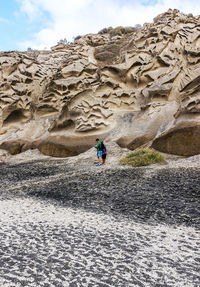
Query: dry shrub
[(142, 157), (120, 30)]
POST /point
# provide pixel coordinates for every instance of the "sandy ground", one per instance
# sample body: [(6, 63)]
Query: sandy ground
[(66, 222)]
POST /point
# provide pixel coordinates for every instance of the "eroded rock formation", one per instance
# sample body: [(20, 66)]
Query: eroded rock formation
[(137, 88)]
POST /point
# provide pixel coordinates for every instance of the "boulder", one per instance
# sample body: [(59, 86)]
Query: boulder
[(179, 141), (65, 146), (14, 147)]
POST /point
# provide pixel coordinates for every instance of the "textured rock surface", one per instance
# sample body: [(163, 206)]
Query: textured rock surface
[(132, 88), (183, 141)]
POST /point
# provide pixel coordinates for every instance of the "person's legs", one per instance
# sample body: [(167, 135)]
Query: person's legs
[(104, 158), (99, 155)]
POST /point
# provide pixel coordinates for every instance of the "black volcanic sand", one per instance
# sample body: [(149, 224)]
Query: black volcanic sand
[(66, 225)]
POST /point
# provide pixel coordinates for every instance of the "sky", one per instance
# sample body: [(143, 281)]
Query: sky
[(40, 24)]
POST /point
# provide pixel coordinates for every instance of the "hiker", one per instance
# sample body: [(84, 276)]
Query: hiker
[(101, 152)]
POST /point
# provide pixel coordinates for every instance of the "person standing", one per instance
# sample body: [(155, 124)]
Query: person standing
[(99, 151)]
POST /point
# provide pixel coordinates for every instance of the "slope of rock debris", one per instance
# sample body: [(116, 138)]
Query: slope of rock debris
[(136, 88), (69, 224)]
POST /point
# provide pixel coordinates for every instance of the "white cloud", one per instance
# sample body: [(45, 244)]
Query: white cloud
[(69, 18), (31, 8), (4, 20)]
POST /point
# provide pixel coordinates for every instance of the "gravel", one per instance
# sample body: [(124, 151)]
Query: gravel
[(69, 224)]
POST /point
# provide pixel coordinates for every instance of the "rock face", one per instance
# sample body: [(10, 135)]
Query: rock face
[(139, 88), (183, 141)]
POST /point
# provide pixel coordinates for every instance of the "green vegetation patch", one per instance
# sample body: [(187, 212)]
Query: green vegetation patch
[(142, 157), (121, 30)]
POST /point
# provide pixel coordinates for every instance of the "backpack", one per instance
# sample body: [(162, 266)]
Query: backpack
[(103, 147)]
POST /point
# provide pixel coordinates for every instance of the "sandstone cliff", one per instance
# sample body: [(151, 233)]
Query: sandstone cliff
[(136, 88)]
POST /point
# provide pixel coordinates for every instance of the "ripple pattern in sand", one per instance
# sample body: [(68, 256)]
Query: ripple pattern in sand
[(43, 244)]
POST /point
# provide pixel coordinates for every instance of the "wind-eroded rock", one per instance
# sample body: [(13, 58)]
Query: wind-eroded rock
[(183, 141), (132, 88), (63, 147)]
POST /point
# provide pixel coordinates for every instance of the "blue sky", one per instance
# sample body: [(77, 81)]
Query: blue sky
[(41, 24), (15, 25)]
